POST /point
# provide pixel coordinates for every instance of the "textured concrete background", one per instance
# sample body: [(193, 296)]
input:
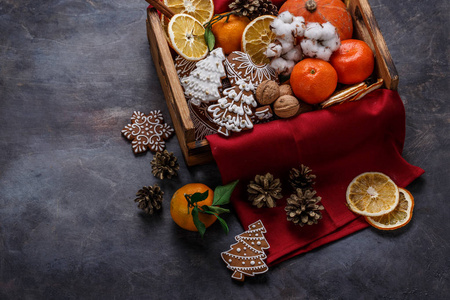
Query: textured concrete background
[(72, 73)]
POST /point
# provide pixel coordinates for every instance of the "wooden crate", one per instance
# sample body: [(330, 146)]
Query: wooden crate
[(199, 152)]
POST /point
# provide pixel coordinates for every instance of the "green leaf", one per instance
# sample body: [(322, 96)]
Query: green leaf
[(199, 224), (210, 38), (223, 224), (222, 194), (197, 197), (214, 209)]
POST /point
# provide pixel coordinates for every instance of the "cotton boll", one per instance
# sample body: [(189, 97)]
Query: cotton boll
[(298, 26), (320, 40), (324, 53), (283, 31), (276, 24), (333, 43), (273, 50), (282, 66), (286, 46), (313, 31), (286, 17), (295, 54), (309, 47), (328, 31)]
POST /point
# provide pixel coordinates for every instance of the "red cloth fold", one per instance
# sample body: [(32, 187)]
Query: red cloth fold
[(337, 143)]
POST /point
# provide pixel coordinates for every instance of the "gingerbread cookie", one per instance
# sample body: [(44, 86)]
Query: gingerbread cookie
[(233, 111), (203, 83), (239, 65), (245, 258), (263, 114), (147, 131), (184, 67), (203, 121)]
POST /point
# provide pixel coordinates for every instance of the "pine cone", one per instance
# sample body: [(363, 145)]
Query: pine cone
[(149, 198), (253, 8), (164, 164), (264, 191), (301, 179), (303, 208)]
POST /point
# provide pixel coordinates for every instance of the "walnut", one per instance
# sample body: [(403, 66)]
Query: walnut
[(267, 92), (285, 89), (286, 106)]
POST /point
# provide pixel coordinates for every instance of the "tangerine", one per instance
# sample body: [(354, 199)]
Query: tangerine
[(181, 211), (228, 32), (353, 61), (313, 80)]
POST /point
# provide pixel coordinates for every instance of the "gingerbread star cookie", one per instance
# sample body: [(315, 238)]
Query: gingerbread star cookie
[(147, 132)]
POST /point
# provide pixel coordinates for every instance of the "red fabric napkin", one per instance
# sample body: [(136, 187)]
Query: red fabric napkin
[(337, 143)]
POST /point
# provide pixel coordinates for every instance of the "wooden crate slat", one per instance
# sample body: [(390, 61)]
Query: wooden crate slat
[(366, 28)]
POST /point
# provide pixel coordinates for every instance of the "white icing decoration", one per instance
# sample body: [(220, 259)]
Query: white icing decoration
[(238, 250), (241, 66), (264, 114), (232, 112), (203, 83), (184, 67), (256, 265)]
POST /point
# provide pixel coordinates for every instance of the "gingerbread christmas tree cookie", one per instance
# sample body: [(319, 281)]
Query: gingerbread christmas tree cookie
[(246, 257), (203, 83), (147, 131), (233, 111)]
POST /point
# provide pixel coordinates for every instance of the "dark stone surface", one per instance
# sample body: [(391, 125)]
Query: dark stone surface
[(72, 73)]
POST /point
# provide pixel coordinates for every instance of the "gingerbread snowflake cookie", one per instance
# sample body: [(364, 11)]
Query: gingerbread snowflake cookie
[(239, 65), (246, 257), (147, 131)]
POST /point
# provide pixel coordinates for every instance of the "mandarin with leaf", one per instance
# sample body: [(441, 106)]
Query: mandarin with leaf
[(181, 210)]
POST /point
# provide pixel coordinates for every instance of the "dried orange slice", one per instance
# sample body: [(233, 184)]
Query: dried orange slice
[(186, 35), (202, 10), (256, 37), (399, 217), (372, 194)]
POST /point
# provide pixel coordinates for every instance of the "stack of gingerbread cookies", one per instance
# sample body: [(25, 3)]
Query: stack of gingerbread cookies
[(228, 94)]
